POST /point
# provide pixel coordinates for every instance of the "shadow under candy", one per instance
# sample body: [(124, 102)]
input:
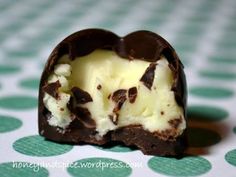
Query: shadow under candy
[(206, 129)]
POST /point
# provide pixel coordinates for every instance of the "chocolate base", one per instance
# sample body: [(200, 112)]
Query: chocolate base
[(147, 142)]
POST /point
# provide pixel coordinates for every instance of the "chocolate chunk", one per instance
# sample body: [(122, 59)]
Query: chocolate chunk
[(132, 94), (52, 89), (119, 97), (99, 87), (148, 76), (114, 118), (78, 112), (81, 96), (84, 115), (175, 122)]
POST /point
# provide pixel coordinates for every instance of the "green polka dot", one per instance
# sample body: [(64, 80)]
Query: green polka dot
[(228, 36), (99, 167), (207, 7), (21, 54), (9, 123), (230, 157), (153, 21), (200, 137), (33, 46), (22, 169), (44, 6), (18, 102), (186, 36), (228, 43), (206, 113), (185, 47), (37, 146), (234, 130), (226, 75), (14, 27), (186, 62), (120, 12), (223, 60), (30, 83), (116, 148), (192, 29), (75, 14), (211, 92), (30, 16), (200, 18), (49, 35), (6, 69), (186, 166)]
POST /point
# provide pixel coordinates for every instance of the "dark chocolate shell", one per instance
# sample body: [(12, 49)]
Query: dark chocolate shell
[(141, 45)]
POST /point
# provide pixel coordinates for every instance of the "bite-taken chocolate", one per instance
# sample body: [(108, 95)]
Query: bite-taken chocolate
[(100, 88)]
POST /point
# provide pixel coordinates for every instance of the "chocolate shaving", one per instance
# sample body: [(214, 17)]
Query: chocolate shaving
[(114, 118), (148, 76), (119, 97), (80, 113), (52, 89), (175, 122), (132, 94), (99, 87), (81, 96), (84, 116)]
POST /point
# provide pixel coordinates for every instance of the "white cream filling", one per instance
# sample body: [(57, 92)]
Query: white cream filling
[(152, 109), (60, 115)]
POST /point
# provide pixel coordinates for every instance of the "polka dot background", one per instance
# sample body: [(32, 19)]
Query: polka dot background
[(202, 32)]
